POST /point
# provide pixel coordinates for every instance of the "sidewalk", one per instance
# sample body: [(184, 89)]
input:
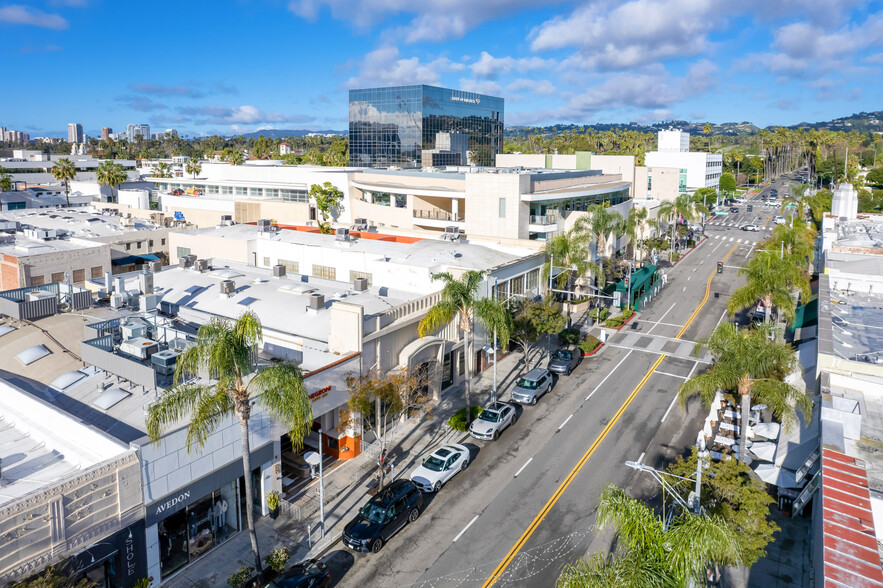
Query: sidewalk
[(346, 487)]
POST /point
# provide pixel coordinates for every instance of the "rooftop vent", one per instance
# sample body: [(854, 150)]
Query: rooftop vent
[(201, 265), (228, 287), (155, 266), (278, 270), (227, 220), (342, 235), (360, 284), (264, 225), (452, 234), (317, 301), (360, 224)]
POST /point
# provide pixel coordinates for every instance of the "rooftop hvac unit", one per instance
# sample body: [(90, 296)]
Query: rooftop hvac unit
[(201, 265), (145, 282), (7, 239), (264, 225), (278, 270), (226, 220), (139, 347), (191, 259), (360, 284), (360, 224), (155, 266), (39, 295), (133, 330), (451, 234), (163, 362), (317, 301), (342, 235), (228, 287)]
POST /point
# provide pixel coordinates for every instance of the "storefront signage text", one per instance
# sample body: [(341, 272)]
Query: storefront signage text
[(172, 502), (457, 98), (131, 564), (320, 393)]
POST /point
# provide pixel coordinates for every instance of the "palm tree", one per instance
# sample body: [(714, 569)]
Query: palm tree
[(772, 279), (568, 250), (635, 226), (5, 180), (748, 362), (193, 167), (459, 298), (652, 553), (236, 158), (162, 170), (64, 171), (795, 241), (598, 223), (682, 207), (738, 156), (110, 174), (706, 128), (227, 352)]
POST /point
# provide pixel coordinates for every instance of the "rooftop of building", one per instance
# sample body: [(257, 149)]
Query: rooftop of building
[(20, 245), (83, 222), (865, 231), (856, 324), (460, 172)]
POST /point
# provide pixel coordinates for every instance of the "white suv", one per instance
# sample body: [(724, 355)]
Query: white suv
[(779, 220)]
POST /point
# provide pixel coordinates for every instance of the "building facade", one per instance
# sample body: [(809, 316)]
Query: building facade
[(701, 170), (74, 133), (105, 133), (394, 126), (133, 130)]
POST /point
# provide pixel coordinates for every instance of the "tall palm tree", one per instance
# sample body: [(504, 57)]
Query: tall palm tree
[(681, 208), (228, 352), (235, 157), (568, 250), (599, 222), (748, 362), (110, 174), (796, 241), (738, 156), (459, 298), (706, 128), (651, 553), (635, 226), (772, 278), (193, 167), (5, 180), (64, 171), (162, 170)]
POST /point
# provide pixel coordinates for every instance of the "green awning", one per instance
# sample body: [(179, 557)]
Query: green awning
[(639, 278), (806, 315)]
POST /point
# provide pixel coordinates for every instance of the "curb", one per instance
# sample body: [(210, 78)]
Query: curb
[(690, 250), (626, 321), (319, 550)]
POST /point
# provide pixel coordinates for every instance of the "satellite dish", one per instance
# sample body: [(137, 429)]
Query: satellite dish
[(312, 458)]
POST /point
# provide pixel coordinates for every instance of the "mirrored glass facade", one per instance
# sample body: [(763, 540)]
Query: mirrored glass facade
[(416, 126)]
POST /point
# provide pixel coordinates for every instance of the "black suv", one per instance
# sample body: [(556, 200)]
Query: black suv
[(383, 516)]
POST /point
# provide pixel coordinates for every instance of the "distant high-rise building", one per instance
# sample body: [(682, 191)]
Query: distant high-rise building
[(105, 133), (133, 131), (395, 126), (75, 133), (172, 132), (2, 133)]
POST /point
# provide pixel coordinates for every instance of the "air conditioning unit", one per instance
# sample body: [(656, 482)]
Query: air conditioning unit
[(228, 287), (451, 234), (163, 362), (264, 225), (34, 295), (145, 282), (360, 284), (201, 265), (139, 347), (227, 220), (279, 270), (155, 266), (132, 331), (317, 301), (360, 224), (191, 259), (342, 235)]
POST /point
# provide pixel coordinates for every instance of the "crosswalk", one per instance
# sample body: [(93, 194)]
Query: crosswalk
[(724, 238), (725, 224)]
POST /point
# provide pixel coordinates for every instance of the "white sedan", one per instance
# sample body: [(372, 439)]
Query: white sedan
[(441, 465)]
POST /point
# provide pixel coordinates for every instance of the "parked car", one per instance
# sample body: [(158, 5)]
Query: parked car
[(493, 420), (564, 361), (779, 220), (383, 516), (310, 573), (441, 465), (734, 209), (750, 227), (531, 386)]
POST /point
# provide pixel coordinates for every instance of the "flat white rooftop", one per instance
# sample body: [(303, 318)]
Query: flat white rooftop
[(77, 222)]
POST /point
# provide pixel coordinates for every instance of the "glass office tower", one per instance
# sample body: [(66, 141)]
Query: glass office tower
[(415, 126)]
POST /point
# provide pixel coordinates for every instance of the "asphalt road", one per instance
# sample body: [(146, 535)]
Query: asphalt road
[(528, 500)]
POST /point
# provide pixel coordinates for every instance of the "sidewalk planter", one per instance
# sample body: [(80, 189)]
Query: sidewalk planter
[(620, 320), (273, 504), (589, 346)]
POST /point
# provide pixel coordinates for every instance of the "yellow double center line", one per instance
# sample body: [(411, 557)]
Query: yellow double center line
[(576, 469)]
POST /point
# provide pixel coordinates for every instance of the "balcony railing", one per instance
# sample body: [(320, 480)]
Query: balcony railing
[(441, 215), (544, 219)]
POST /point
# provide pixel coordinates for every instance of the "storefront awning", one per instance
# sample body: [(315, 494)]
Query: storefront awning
[(639, 278), (806, 315), (134, 259)]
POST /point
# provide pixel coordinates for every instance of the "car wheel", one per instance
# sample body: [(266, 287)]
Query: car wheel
[(568, 372), (413, 515), (533, 400), (436, 487), (377, 545), (496, 435), (466, 463)]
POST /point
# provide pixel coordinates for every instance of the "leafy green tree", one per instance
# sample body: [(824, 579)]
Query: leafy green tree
[(651, 553), (524, 331), (460, 299), (727, 183), (112, 175), (54, 577), (770, 277), (227, 352), (327, 197), (875, 177), (795, 241), (732, 492), (162, 170), (64, 171), (819, 204), (5, 180), (193, 167), (748, 362), (262, 147), (547, 319)]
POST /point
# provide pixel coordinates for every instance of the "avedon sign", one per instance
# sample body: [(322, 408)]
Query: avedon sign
[(172, 502)]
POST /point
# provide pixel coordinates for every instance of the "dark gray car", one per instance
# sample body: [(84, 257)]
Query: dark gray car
[(564, 361)]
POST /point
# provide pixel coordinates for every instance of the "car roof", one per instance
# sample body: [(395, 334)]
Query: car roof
[(535, 374), (391, 492)]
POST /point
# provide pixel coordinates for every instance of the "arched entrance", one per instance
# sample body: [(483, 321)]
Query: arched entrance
[(423, 358)]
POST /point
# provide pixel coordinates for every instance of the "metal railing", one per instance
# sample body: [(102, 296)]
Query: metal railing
[(544, 219), (442, 215)]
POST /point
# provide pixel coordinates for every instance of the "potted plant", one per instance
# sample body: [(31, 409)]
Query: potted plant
[(277, 559), (273, 503), (241, 578)]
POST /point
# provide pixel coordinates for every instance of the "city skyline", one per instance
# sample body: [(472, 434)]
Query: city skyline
[(561, 62)]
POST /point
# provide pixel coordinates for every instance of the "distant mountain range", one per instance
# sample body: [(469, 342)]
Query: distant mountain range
[(280, 133)]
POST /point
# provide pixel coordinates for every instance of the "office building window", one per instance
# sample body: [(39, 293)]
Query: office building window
[(228, 190), (271, 192), (58, 277), (501, 204), (241, 191), (291, 267), (324, 271), (96, 271), (37, 280), (266, 262), (163, 242), (183, 251), (79, 276), (150, 243), (366, 275)]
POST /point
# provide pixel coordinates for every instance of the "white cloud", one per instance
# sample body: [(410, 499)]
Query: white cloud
[(538, 87), (490, 67), (245, 114), (385, 67), (481, 86), (613, 36), (25, 15)]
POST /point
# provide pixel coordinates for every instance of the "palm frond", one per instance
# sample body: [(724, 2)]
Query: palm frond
[(494, 315), (213, 406), (783, 400), (438, 317), (706, 384), (635, 524), (284, 395), (174, 405), (695, 541)]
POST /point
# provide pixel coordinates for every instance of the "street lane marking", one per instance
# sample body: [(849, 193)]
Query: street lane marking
[(598, 387), (672, 375), (641, 459), (662, 317), (460, 534), (495, 575), (685, 289), (522, 468), (676, 396), (561, 426)]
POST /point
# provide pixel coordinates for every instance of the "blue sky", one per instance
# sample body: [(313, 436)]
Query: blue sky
[(233, 66)]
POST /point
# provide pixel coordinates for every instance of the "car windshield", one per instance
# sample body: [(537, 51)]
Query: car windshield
[(562, 354), (490, 416), (434, 464), (373, 512), (526, 384)]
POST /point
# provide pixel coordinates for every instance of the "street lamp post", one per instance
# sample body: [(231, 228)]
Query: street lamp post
[(314, 459)]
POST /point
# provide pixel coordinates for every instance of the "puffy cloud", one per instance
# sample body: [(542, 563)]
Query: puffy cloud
[(614, 36), (489, 87), (246, 114), (17, 14), (384, 66), (490, 67), (538, 87)]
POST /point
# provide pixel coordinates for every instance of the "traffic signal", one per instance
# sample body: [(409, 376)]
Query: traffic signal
[(626, 281), (720, 267)]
